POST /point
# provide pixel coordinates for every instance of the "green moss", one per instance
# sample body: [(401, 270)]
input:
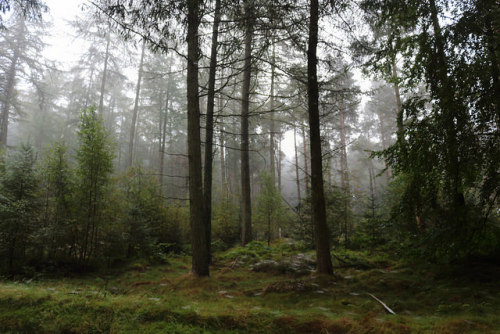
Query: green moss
[(235, 299)]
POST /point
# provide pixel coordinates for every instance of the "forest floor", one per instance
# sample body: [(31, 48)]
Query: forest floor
[(260, 290)]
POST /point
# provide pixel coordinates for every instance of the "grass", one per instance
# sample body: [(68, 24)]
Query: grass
[(237, 299)]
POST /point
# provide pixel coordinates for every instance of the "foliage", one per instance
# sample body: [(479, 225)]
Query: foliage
[(337, 215), (271, 213), (445, 162), (225, 227), (95, 165), (256, 251), (19, 204), (31, 9), (59, 218)]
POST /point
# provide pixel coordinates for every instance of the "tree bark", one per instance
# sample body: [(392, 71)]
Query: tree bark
[(306, 165), (9, 88), (268, 229), (246, 202), (279, 162), (209, 128), (371, 173), (163, 128), (384, 142), (271, 126), (163, 138), (297, 176), (344, 173), (223, 175), (200, 258), (323, 258), (397, 95), (136, 109), (105, 72)]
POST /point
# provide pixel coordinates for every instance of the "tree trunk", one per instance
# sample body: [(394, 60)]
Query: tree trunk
[(344, 171), (399, 108), (246, 202), (384, 142), (306, 165), (297, 177), (279, 162), (271, 126), (9, 88), (222, 143), (399, 105), (163, 129), (371, 173), (104, 73), (268, 229), (201, 258), (209, 128), (136, 109), (223, 176), (323, 258), (163, 138), (451, 108)]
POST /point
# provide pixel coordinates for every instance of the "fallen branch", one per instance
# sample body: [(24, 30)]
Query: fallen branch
[(387, 308), (234, 263)]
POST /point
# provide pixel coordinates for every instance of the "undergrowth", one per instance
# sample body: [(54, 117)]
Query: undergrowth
[(253, 290)]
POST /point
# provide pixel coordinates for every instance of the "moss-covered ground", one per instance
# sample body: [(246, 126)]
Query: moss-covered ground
[(260, 290)]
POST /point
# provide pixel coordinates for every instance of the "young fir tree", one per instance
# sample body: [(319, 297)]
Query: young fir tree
[(59, 207), (95, 165)]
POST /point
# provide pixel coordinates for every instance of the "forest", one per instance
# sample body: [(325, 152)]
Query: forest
[(250, 166)]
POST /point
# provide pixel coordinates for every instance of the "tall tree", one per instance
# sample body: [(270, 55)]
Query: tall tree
[(163, 129), (323, 258), (246, 202), (8, 87), (297, 177), (136, 108), (344, 169), (105, 70), (201, 258), (209, 128), (272, 122)]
